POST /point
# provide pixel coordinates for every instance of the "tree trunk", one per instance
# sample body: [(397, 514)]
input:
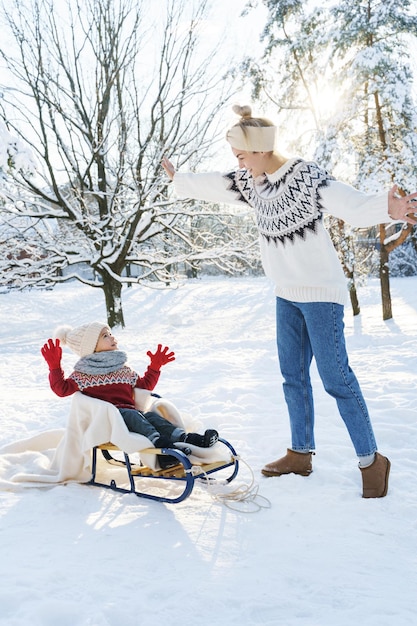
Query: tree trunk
[(113, 294), (383, 263), (384, 276), (353, 294), (338, 234)]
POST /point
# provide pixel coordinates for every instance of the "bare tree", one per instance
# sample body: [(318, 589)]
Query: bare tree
[(100, 92)]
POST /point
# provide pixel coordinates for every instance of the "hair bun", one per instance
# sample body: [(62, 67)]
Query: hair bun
[(244, 111)]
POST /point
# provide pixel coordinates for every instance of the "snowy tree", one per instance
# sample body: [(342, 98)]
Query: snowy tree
[(354, 55), (14, 153), (290, 74), (372, 50), (99, 90), (403, 259), (296, 58)]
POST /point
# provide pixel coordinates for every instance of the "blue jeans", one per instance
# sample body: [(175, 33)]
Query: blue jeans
[(151, 425), (304, 330)]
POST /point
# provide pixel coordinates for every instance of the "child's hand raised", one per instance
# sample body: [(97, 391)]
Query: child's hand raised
[(160, 358), (52, 353)]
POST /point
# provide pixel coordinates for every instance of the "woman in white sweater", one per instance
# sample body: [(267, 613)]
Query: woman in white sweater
[(289, 197)]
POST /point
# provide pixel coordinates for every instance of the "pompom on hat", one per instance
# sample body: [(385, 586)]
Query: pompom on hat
[(81, 340), (251, 134)]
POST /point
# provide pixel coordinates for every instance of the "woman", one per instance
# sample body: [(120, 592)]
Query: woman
[(289, 197)]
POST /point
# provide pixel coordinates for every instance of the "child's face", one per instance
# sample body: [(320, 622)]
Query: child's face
[(106, 341)]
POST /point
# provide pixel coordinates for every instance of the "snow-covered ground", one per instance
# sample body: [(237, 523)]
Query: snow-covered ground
[(321, 555)]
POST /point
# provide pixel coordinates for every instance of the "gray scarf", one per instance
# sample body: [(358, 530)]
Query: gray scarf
[(101, 362)]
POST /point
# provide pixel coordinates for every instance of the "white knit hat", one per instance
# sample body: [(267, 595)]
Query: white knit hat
[(81, 340)]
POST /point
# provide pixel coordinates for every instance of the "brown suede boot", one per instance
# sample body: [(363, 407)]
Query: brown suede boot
[(375, 477), (291, 463)]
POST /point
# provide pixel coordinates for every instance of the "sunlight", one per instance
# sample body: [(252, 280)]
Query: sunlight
[(326, 99)]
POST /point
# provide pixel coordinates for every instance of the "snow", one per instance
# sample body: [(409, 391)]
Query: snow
[(12, 148), (321, 555)]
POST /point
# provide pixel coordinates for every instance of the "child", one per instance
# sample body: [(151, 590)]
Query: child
[(102, 373)]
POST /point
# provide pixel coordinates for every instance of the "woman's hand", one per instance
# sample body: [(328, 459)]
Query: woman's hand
[(403, 208), (168, 167)]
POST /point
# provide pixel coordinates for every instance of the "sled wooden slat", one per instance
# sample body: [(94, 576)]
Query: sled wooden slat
[(183, 474)]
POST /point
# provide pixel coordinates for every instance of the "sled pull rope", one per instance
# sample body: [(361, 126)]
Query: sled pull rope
[(198, 471), (244, 493)]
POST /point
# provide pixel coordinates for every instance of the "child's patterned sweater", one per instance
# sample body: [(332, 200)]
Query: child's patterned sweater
[(116, 387)]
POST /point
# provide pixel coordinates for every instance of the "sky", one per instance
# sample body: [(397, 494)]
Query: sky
[(238, 37)]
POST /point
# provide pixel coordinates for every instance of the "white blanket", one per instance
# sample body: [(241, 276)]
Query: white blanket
[(64, 455)]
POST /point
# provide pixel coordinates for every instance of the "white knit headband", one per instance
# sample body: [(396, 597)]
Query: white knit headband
[(254, 139)]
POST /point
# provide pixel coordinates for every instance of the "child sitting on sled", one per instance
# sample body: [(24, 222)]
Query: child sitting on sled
[(102, 373)]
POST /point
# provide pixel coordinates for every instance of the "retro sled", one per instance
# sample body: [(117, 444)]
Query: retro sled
[(133, 466)]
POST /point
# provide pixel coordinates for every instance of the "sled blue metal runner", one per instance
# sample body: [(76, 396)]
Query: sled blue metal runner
[(183, 474)]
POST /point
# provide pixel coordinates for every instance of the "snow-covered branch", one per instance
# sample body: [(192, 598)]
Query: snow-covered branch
[(93, 203)]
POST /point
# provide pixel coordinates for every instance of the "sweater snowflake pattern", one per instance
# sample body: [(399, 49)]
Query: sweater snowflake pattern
[(283, 215), (296, 250)]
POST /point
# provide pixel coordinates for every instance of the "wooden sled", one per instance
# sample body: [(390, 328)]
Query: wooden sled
[(183, 475)]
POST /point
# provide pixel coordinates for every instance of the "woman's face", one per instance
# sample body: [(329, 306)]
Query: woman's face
[(254, 162)]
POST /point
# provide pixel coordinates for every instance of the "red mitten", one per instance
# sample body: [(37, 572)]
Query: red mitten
[(160, 358), (52, 353)]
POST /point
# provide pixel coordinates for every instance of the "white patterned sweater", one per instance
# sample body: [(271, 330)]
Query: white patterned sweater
[(296, 249)]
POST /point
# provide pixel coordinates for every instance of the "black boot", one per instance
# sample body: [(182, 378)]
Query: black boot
[(207, 440), (163, 442), (165, 460)]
